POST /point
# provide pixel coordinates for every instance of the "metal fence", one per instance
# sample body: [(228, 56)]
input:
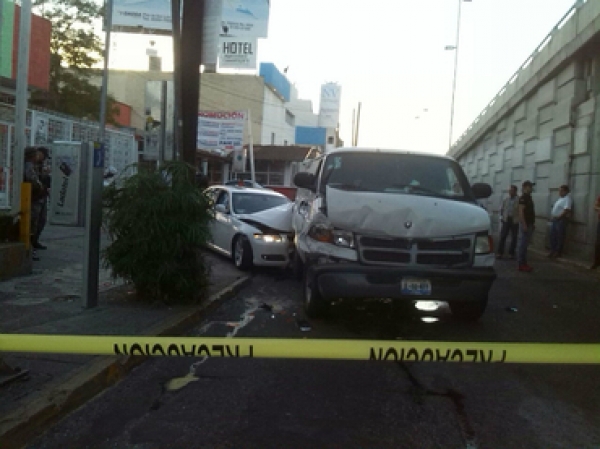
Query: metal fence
[(45, 127)]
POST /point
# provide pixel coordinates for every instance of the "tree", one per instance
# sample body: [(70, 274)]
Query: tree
[(75, 50)]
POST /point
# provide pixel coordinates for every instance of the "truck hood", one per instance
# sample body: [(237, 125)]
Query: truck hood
[(274, 219), (390, 214)]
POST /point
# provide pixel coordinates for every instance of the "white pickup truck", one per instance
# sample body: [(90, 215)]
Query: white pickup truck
[(385, 224)]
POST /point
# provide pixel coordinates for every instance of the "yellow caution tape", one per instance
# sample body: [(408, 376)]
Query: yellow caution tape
[(407, 351)]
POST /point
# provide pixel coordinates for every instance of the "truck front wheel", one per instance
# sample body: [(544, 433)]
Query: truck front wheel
[(468, 310), (314, 304)]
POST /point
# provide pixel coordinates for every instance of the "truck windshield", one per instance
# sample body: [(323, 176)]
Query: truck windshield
[(396, 173)]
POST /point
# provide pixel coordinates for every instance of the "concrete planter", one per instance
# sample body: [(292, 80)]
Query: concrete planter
[(15, 260)]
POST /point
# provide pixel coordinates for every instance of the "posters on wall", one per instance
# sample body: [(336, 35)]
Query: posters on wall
[(66, 177), (40, 128), (222, 130)]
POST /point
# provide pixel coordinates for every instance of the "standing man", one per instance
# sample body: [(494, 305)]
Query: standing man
[(596, 263), (34, 159), (526, 224), (558, 217), (509, 214)]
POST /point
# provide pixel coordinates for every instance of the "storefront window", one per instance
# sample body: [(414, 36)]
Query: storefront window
[(269, 172)]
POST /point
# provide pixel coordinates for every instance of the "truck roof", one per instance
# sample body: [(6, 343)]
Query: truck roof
[(386, 150)]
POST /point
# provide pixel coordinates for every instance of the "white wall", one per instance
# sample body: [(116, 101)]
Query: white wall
[(273, 121), (302, 109)]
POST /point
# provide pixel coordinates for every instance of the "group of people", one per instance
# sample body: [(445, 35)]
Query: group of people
[(518, 219), (37, 174)]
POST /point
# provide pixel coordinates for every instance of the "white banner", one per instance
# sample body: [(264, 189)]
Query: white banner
[(329, 110), (221, 130), (245, 18), (237, 53), (152, 14), (66, 171)]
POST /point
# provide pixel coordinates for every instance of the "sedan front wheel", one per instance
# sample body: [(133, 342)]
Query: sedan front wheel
[(242, 253)]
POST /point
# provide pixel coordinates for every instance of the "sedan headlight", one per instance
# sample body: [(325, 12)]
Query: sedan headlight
[(270, 238), (322, 232), (484, 244)]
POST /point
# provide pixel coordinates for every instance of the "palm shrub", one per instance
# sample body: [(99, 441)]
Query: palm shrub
[(157, 221)]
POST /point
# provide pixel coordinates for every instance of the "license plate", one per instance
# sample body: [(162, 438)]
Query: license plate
[(418, 287)]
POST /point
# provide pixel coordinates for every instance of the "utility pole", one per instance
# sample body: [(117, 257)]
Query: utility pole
[(176, 25), (454, 47), (93, 222), (191, 45), (357, 125), (21, 104)]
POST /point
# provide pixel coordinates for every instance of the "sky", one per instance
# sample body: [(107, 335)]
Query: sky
[(389, 55)]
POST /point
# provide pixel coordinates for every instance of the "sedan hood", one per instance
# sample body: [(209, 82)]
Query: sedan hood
[(402, 215), (276, 219)]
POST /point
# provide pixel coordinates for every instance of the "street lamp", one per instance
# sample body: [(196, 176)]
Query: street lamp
[(455, 48)]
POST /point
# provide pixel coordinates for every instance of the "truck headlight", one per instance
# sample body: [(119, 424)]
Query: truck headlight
[(484, 244), (322, 232), (344, 239)]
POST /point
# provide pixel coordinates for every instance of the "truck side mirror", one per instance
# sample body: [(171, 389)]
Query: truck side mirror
[(481, 190), (305, 180)]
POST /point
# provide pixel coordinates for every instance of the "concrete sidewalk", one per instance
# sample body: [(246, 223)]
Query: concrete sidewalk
[(49, 302)]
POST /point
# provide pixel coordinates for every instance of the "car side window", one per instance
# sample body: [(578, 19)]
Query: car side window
[(223, 199)]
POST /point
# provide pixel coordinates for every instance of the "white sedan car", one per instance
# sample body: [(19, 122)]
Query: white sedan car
[(252, 226)]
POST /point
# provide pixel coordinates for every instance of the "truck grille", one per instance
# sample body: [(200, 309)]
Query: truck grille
[(401, 251)]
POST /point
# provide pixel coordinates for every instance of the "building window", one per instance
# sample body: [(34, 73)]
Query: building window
[(290, 119), (155, 64), (330, 140), (272, 138), (269, 173), (285, 143)]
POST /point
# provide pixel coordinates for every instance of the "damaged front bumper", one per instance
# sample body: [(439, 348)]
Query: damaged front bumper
[(351, 280)]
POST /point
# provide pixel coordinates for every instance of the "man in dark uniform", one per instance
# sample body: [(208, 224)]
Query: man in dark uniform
[(526, 225), (34, 159)]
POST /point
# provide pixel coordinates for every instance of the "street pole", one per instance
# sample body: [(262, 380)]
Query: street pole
[(93, 222), (456, 47), (163, 123), (191, 42), (357, 125), (21, 105), (176, 25), (251, 147)]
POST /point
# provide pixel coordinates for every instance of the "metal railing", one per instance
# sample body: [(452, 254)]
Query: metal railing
[(565, 18)]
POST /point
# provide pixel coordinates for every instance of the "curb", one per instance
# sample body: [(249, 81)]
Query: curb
[(65, 395), (565, 261)]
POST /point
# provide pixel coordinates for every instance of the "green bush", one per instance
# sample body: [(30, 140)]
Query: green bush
[(157, 221)]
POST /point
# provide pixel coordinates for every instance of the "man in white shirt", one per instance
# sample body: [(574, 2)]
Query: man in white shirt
[(558, 217), (509, 214)]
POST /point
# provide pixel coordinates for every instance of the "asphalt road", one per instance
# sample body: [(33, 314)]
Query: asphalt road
[(254, 403)]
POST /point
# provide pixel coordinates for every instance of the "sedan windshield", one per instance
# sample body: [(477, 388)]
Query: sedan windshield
[(251, 203), (396, 173)]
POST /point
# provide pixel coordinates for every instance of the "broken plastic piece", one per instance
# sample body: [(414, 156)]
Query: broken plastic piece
[(266, 306), (304, 325)]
